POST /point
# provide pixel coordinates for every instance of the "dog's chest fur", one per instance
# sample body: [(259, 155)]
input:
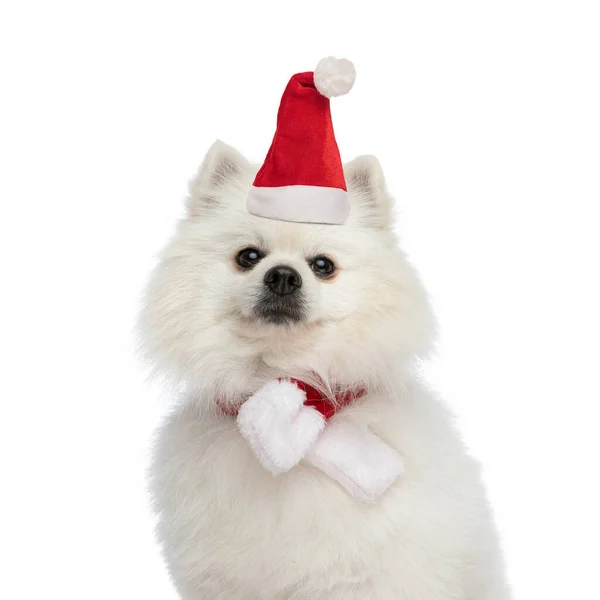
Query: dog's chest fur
[(233, 531)]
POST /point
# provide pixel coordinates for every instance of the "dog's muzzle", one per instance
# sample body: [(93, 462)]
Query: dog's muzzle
[(281, 300)]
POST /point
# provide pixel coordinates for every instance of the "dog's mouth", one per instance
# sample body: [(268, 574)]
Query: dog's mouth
[(281, 310)]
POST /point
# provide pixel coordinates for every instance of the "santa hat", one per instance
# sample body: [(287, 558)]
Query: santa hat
[(302, 178)]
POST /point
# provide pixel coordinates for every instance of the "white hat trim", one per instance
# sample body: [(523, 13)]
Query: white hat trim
[(300, 204)]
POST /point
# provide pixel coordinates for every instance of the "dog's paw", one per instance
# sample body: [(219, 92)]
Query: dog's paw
[(277, 425)]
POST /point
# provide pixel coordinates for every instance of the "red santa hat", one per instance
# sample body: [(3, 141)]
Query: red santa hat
[(302, 178)]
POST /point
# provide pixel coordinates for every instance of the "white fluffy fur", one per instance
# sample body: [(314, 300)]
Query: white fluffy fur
[(229, 529), (277, 425)]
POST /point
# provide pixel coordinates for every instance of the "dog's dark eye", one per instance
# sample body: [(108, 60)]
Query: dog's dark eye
[(322, 266), (248, 258)]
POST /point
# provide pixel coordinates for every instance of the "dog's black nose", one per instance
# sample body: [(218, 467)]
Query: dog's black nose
[(282, 280)]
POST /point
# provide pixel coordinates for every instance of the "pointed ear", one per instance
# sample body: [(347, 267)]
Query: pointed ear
[(221, 166), (371, 203)]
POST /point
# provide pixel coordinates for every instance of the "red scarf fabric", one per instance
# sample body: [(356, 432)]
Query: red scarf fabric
[(314, 398)]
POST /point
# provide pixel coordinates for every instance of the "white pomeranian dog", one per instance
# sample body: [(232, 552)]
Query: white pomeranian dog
[(232, 528)]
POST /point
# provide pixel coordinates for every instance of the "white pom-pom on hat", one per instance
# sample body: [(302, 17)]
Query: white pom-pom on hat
[(334, 76)]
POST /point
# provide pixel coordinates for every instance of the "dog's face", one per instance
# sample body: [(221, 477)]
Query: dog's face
[(237, 299)]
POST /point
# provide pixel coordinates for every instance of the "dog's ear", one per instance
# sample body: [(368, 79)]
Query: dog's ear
[(221, 166), (371, 203)]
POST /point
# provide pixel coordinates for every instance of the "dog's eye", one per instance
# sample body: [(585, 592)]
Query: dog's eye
[(322, 267), (248, 258)]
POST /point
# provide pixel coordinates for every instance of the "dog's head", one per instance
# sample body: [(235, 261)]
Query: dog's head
[(236, 299)]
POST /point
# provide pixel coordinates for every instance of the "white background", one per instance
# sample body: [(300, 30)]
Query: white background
[(485, 116)]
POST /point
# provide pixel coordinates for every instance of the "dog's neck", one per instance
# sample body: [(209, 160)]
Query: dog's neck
[(326, 404)]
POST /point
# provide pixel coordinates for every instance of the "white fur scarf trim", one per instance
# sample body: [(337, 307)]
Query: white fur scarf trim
[(282, 431)]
